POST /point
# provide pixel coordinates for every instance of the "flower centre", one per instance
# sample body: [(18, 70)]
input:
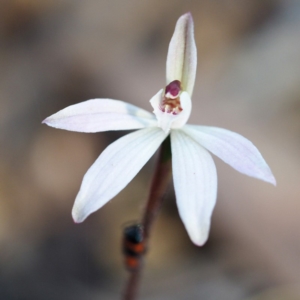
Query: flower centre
[(171, 100)]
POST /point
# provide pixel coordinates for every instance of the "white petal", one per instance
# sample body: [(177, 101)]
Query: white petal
[(101, 115), (195, 183), (114, 169), (182, 54), (165, 120), (233, 149)]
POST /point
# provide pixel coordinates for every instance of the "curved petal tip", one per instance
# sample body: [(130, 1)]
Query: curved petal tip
[(200, 236), (271, 179), (78, 217), (188, 15), (45, 121)]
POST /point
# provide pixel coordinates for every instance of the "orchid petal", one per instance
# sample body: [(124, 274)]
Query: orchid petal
[(233, 149), (101, 115), (114, 169), (166, 120), (182, 54), (195, 184)]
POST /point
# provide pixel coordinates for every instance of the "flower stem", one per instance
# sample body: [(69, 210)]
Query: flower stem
[(158, 188)]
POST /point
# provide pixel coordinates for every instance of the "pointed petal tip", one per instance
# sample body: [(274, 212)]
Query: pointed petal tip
[(48, 121), (45, 121), (185, 20), (266, 175), (200, 238), (272, 180), (76, 216), (75, 222), (188, 15), (200, 243)]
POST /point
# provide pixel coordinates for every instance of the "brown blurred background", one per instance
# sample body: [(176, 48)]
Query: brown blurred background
[(60, 52)]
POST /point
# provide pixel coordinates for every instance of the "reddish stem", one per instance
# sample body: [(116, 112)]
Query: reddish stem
[(158, 188)]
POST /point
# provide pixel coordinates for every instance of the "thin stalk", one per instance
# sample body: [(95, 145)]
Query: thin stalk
[(158, 188)]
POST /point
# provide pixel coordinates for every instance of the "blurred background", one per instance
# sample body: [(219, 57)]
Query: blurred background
[(61, 52)]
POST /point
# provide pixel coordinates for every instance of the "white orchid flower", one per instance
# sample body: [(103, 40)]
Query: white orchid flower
[(194, 171)]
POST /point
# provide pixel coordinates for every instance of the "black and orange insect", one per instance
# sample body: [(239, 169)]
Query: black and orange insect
[(133, 246)]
